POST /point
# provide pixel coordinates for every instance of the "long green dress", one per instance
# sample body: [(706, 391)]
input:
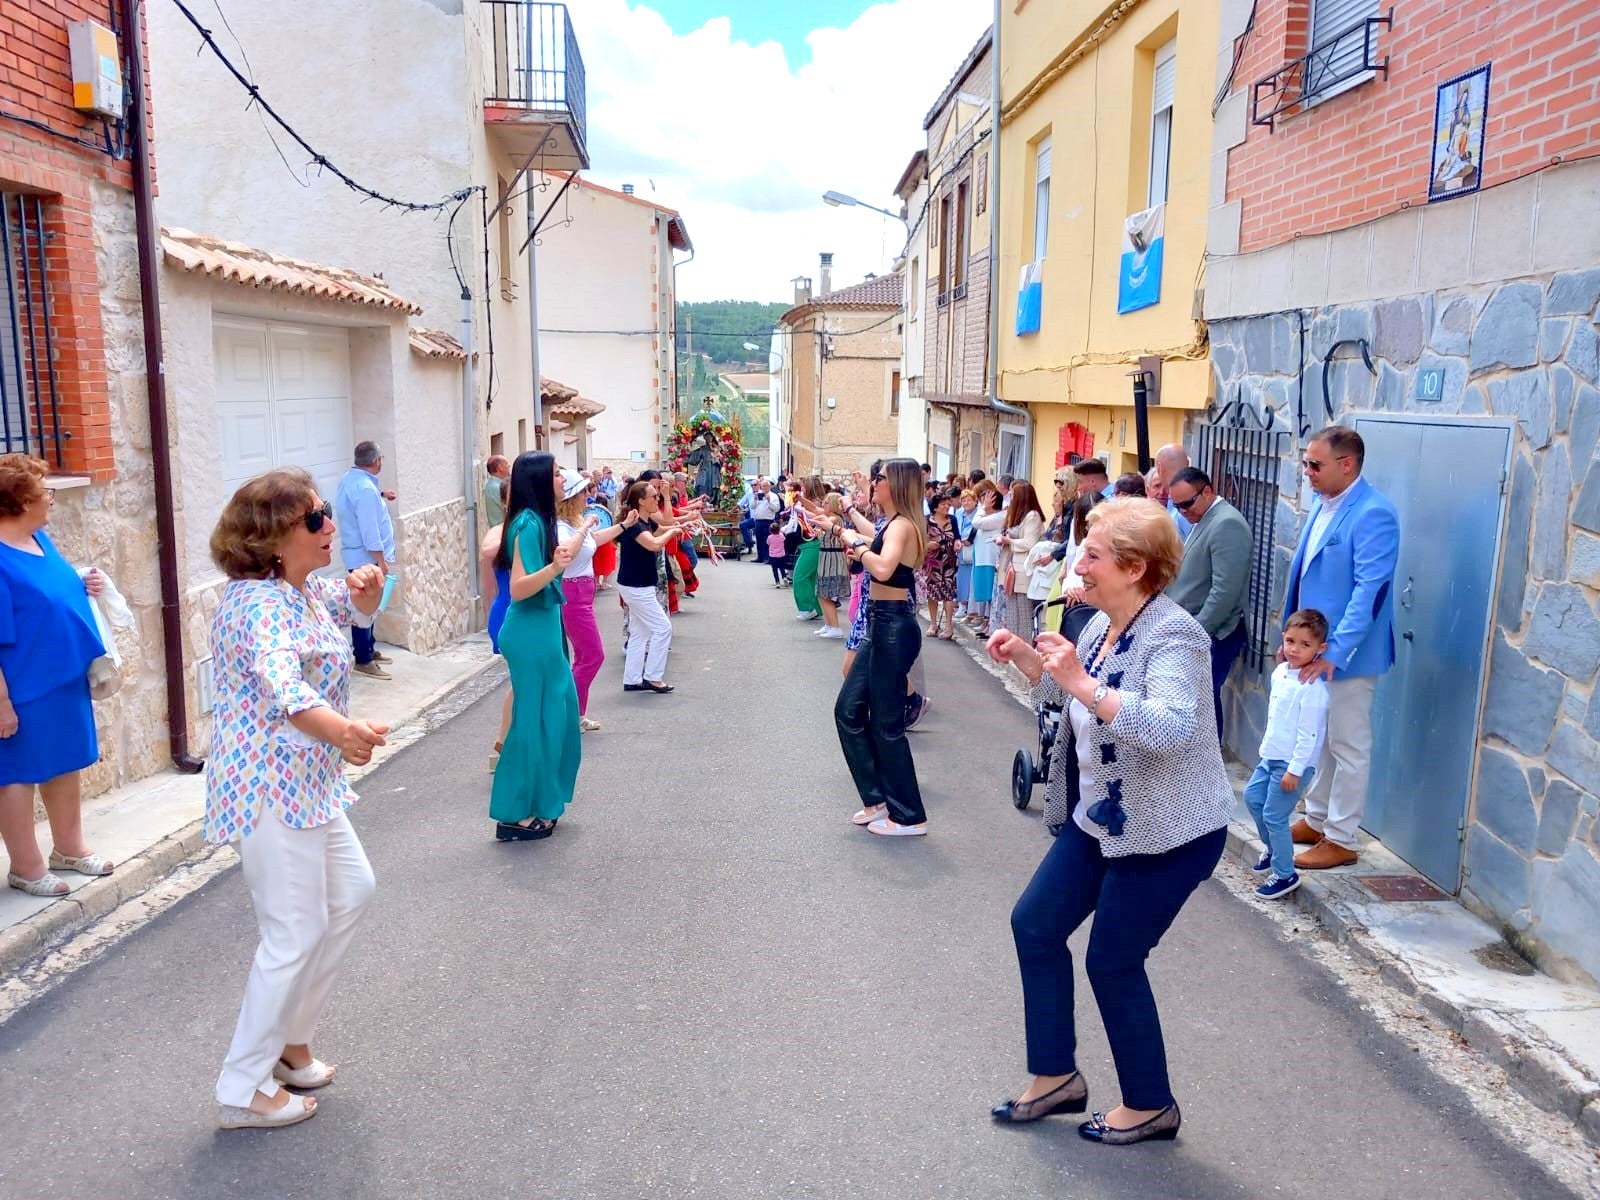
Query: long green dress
[(539, 760), (804, 586)]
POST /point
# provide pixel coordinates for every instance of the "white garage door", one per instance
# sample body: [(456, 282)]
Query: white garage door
[(283, 396)]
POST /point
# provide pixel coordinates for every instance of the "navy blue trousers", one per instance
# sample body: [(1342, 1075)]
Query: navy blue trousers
[(1135, 899)]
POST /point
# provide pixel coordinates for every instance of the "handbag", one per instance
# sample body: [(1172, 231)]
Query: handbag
[(966, 556), (105, 680)]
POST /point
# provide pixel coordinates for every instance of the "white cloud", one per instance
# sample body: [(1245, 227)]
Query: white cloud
[(743, 144)]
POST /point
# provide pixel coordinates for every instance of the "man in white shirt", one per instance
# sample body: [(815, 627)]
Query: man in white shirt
[(764, 509)]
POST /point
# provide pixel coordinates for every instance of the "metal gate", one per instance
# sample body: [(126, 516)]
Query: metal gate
[(1243, 453), (29, 399), (1446, 479)]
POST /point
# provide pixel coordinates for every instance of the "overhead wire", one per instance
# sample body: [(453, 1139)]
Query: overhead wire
[(318, 159)]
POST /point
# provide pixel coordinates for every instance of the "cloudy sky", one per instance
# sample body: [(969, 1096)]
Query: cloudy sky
[(741, 113)]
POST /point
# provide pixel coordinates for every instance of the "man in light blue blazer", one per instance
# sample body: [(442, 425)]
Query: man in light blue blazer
[(1344, 568)]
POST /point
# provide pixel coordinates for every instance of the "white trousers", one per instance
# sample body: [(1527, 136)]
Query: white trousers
[(309, 888), (649, 636), (1338, 795)]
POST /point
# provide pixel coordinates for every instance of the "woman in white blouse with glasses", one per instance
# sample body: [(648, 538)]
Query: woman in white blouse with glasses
[(275, 779)]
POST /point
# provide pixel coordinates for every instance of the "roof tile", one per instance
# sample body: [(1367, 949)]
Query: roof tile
[(238, 263)]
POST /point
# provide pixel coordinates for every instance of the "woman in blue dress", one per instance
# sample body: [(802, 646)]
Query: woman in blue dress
[(48, 638), (538, 767)]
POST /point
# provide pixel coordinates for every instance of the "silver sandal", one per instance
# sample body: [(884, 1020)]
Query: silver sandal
[(47, 885), (82, 864)]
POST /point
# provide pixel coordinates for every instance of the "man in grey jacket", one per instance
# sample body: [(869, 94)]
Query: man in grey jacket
[(1214, 580)]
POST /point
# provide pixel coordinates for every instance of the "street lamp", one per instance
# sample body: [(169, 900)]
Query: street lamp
[(840, 200)]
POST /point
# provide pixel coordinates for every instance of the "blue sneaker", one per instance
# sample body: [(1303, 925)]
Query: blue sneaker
[(1277, 889), (1263, 864)]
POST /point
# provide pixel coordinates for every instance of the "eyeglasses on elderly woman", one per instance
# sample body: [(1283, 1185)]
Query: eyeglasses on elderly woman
[(316, 518)]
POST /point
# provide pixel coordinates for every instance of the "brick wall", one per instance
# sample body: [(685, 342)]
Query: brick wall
[(36, 84), (1367, 152)]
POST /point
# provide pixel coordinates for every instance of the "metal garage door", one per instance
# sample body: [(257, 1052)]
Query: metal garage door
[(283, 397)]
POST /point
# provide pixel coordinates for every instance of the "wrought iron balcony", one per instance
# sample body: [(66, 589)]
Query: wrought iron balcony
[(536, 102), (1322, 72)]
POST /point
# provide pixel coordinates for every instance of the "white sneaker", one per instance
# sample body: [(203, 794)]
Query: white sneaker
[(807, 616), (884, 827), (830, 632)]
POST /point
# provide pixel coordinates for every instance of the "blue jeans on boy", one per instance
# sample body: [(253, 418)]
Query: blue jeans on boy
[(1272, 807)]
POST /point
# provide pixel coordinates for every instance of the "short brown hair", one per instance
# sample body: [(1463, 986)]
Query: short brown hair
[(258, 517), (1140, 531), (1312, 621), (1341, 439), (21, 482)]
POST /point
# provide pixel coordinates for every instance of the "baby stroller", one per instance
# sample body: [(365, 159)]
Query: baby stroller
[(1026, 769)]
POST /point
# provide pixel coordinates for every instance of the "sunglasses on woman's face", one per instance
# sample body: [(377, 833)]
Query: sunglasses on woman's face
[(317, 516)]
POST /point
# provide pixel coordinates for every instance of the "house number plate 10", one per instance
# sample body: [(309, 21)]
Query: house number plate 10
[(1430, 386)]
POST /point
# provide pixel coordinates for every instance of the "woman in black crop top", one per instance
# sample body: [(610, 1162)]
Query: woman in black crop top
[(871, 710)]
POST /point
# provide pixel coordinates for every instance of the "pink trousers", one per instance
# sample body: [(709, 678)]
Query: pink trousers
[(583, 632)]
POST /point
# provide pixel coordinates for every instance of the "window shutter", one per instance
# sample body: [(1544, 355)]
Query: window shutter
[(1332, 17), (1166, 77), (1043, 171)]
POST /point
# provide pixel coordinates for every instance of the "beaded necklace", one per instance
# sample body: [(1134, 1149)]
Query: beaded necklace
[(1124, 641)]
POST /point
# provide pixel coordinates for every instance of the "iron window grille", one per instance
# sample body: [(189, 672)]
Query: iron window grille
[(30, 399), (1315, 74), (1243, 453)]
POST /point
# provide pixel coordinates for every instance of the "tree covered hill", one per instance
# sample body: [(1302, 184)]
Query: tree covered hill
[(721, 327)]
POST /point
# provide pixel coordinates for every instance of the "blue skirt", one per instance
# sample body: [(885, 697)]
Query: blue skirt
[(55, 735), (502, 602), (982, 585), (963, 582)]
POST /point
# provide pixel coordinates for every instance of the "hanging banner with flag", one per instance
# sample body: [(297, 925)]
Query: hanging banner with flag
[(1139, 280), (1030, 297)]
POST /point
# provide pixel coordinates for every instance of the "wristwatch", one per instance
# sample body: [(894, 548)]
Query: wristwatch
[(1100, 693)]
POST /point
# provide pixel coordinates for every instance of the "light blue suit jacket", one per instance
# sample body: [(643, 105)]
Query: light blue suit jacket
[(1350, 580)]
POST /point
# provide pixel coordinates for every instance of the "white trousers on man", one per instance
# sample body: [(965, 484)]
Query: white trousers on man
[(1338, 795), (309, 888), (649, 636)]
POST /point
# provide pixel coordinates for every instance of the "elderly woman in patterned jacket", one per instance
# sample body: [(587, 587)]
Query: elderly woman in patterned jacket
[(1139, 804), (275, 782)]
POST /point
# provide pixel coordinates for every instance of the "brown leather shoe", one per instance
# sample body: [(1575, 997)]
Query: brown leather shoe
[(1323, 855), (1303, 834)]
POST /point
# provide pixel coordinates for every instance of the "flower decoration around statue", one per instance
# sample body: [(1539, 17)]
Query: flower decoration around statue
[(708, 450)]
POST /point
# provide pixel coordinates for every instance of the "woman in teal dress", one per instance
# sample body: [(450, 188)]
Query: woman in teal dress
[(538, 765)]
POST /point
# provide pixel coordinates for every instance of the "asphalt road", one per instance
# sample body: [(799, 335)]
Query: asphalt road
[(710, 984)]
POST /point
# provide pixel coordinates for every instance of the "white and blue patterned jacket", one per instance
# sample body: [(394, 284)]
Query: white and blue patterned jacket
[(1160, 755)]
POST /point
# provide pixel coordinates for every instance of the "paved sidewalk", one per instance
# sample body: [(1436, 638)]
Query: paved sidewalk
[(151, 827), (1545, 1034)]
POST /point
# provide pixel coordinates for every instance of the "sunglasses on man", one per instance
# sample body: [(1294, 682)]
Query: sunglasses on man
[(317, 516)]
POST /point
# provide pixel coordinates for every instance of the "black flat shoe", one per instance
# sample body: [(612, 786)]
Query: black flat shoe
[(523, 833), (634, 687), (1071, 1097), (660, 689), (1161, 1127)]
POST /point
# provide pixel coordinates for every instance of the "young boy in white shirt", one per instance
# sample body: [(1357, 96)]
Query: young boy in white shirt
[(1297, 720)]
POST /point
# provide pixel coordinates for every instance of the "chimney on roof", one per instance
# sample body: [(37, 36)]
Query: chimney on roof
[(802, 290), (627, 189), (827, 273)]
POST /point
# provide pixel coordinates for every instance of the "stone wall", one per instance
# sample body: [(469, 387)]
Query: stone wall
[(1528, 349), (111, 525), (433, 604)]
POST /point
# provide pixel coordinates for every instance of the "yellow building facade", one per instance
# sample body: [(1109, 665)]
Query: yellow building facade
[(1105, 114)]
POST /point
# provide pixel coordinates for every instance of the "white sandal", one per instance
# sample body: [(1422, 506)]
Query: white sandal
[(300, 1108), (47, 885), (314, 1074), (884, 827), (82, 864), (865, 816)]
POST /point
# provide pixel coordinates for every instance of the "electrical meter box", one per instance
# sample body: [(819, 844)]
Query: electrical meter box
[(96, 68)]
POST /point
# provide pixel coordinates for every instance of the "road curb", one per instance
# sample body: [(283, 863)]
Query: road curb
[(1539, 1070), (28, 940)]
